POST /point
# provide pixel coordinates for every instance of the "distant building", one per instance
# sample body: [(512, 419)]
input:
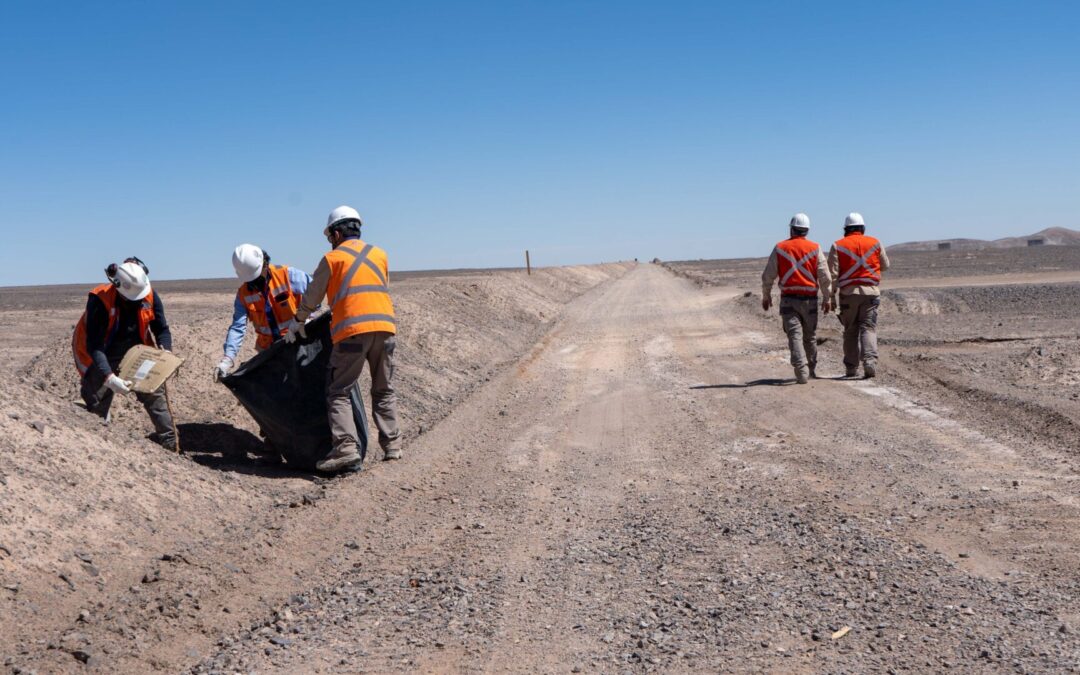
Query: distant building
[(944, 246), (1036, 242)]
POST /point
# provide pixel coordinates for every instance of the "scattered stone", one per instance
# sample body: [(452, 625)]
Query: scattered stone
[(38, 427), (67, 580)]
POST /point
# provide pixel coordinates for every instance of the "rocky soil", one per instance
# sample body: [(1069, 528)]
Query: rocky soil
[(632, 483)]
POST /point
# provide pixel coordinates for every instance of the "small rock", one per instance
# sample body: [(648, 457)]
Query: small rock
[(84, 616), (85, 557), (38, 427), (82, 656), (67, 579), (352, 545), (1064, 629)]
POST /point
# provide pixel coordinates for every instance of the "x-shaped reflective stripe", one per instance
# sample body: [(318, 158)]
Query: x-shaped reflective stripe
[(859, 261), (797, 264)]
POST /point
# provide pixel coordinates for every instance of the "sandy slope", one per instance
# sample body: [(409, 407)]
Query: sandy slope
[(641, 490), (87, 512)]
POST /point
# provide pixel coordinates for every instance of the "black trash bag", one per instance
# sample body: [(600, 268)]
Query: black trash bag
[(284, 389)]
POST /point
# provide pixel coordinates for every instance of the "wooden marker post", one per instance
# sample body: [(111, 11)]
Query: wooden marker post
[(528, 265)]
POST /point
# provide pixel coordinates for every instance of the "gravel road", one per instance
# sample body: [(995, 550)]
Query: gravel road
[(646, 491)]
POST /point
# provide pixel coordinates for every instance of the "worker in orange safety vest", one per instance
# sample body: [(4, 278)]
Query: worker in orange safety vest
[(267, 299), (856, 262), (354, 277), (799, 267), (120, 315)]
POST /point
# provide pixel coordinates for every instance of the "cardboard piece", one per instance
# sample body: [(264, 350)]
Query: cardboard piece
[(147, 368)]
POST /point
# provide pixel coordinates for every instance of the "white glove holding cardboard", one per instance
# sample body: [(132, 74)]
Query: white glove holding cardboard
[(117, 385)]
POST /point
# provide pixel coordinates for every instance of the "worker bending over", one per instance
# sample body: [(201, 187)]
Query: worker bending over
[(267, 299), (857, 261), (119, 315), (354, 277), (802, 271)]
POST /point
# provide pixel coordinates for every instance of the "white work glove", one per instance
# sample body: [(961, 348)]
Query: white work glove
[(294, 329), (222, 369), (117, 385)]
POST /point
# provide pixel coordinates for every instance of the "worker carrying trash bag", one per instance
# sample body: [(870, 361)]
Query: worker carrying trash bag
[(120, 315), (267, 299), (802, 272), (354, 276), (857, 261)]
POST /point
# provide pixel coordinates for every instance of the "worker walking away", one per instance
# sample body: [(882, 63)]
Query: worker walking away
[(267, 299), (799, 267), (354, 277), (119, 315), (856, 262)]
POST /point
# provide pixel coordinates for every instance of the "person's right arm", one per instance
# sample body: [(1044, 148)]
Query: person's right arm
[(834, 272), (97, 324), (315, 292), (768, 278), (235, 337)]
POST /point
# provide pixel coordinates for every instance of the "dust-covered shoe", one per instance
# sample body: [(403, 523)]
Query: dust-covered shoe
[(802, 375), (869, 370), (851, 372), (392, 453), (335, 462), (813, 372), (167, 442)]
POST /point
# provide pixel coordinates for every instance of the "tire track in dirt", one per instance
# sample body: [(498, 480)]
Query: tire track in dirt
[(609, 505)]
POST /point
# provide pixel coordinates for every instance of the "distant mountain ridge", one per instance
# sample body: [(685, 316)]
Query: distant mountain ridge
[(1051, 236)]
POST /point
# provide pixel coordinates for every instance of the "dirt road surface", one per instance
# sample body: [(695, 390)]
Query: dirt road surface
[(644, 490)]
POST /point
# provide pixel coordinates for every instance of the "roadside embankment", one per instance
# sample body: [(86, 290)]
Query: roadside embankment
[(90, 513)]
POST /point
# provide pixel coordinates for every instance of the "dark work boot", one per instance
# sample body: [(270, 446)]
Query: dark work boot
[(340, 461)]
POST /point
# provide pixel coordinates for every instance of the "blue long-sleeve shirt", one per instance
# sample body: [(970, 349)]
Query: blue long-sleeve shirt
[(298, 283)]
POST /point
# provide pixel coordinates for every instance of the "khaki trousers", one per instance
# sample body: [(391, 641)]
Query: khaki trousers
[(346, 364), (799, 316), (858, 314)]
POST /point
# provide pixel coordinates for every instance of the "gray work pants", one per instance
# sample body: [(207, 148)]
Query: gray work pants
[(99, 402), (799, 317), (858, 314), (346, 364)]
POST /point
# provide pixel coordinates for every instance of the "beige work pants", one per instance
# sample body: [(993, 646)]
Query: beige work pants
[(346, 364), (799, 316), (858, 314)]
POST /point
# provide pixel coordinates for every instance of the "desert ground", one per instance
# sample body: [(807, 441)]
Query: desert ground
[(607, 468)]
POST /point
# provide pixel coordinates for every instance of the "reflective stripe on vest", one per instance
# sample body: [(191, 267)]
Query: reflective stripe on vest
[(278, 286), (107, 293), (358, 291), (856, 269), (798, 276)]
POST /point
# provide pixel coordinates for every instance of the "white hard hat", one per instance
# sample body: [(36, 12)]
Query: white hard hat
[(341, 213), (800, 220), (854, 220), (247, 260), (131, 281)]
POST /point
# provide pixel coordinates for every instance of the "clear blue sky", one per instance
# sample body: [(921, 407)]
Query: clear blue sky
[(467, 132)]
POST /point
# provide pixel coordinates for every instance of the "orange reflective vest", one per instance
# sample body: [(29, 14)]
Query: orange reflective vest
[(283, 302), (358, 290), (859, 258), (107, 293), (797, 266)]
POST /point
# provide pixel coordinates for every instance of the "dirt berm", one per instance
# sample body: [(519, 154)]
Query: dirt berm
[(98, 526)]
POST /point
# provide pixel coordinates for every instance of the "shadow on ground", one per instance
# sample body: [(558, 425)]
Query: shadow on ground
[(767, 382), (224, 447)]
